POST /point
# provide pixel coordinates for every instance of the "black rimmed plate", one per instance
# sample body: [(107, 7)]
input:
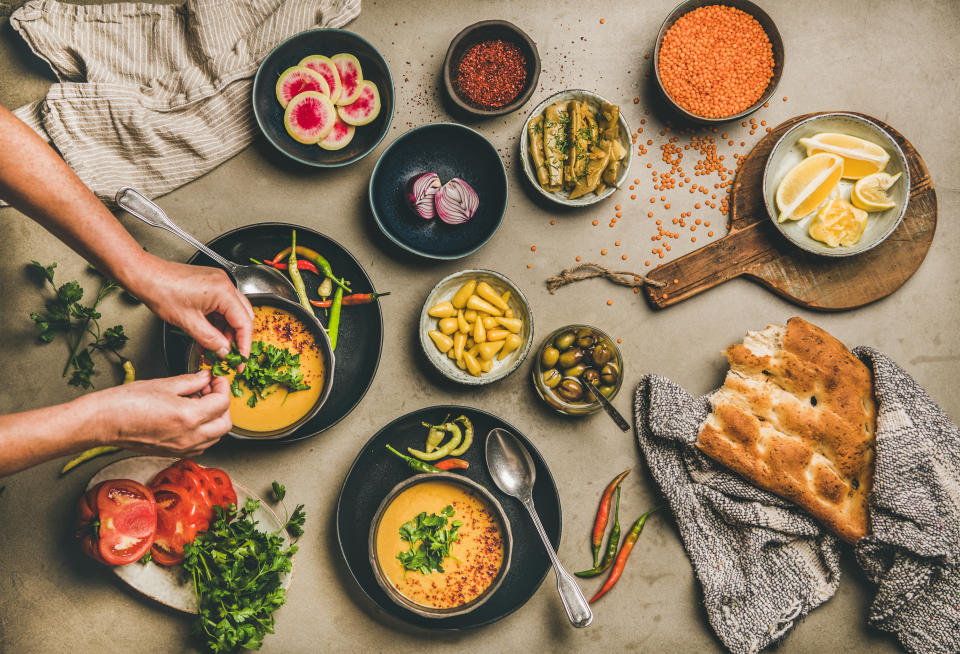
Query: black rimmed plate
[(327, 42), (375, 471), (450, 150), (361, 327)]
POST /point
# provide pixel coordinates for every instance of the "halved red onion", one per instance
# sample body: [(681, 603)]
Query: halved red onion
[(456, 202), (420, 193)]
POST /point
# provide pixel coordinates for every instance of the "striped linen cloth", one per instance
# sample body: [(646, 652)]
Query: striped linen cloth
[(154, 96), (763, 563)]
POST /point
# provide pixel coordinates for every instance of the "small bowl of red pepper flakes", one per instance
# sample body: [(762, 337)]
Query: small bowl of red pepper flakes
[(491, 69)]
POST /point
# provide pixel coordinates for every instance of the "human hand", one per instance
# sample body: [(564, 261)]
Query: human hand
[(187, 296), (164, 416)]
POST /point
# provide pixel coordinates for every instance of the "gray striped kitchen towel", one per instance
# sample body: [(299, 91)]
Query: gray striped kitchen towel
[(154, 96), (763, 563)]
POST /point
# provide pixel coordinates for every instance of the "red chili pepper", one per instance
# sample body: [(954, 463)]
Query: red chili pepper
[(603, 515), (356, 298), (450, 464), (302, 264), (625, 550)]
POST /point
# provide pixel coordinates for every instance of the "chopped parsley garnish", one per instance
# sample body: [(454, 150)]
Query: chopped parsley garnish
[(267, 369), (430, 540)]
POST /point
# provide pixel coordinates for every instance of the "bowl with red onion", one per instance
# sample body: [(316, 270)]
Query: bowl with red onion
[(491, 69), (439, 191)]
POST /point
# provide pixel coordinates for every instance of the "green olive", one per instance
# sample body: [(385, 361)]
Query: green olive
[(549, 357), (600, 354), (551, 378), (570, 390), (564, 341), (606, 390), (591, 376), (575, 371), (609, 374), (586, 340), (570, 358)]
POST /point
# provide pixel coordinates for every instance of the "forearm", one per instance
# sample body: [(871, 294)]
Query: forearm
[(35, 180), (33, 437)]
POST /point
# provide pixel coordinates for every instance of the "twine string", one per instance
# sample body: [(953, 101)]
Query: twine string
[(594, 270)]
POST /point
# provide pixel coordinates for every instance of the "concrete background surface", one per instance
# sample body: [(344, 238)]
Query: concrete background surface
[(893, 60)]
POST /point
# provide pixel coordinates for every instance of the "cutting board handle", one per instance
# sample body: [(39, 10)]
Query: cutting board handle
[(710, 265)]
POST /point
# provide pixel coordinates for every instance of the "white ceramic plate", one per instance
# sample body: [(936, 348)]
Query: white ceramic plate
[(171, 586), (561, 197), (444, 291), (788, 152)]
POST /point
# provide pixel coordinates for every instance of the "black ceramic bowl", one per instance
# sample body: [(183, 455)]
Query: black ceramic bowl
[(745, 6), (450, 150), (269, 113), (485, 31)]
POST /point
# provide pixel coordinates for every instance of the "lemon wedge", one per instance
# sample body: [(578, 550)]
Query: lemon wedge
[(860, 157), (870, 193), (808, 184), (839, 223)]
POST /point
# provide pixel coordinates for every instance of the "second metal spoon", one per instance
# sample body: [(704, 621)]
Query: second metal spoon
[(249, 279)]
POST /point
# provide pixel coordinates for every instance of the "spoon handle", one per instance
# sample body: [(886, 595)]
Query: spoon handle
[(570, 594), (607, 406), (136, 204)]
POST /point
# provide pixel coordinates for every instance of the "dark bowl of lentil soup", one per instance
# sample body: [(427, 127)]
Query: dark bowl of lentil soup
[(491, 68), (481, 545), (717, 61)]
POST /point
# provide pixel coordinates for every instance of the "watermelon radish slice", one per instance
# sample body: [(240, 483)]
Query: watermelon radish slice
[(309, 117), (351, 76), (327, 70), (296, 80), (339, 137), (365, 108)]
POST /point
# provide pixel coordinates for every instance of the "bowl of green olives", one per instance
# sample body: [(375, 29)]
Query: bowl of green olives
[(571, 357)]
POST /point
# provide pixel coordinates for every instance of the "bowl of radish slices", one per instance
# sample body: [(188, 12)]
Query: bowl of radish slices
[(324, 97)]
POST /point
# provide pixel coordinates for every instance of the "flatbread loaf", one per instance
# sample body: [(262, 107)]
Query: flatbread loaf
[(796, 416)]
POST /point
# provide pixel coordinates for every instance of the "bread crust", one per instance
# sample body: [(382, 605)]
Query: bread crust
[(796, 416)]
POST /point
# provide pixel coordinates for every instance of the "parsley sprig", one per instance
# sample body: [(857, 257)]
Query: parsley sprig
[(65, 314), (430, 541), (237, 574), (266, 370)]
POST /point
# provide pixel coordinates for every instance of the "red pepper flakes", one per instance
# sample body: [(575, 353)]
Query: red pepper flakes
[(492, 73)]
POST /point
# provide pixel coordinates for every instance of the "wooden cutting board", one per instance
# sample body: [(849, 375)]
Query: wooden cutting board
[(755, 249)]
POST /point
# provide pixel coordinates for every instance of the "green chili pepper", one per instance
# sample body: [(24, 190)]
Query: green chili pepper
[(294, 272), (318, 259), (435, 435), (467, 436), (444, 450), (333, 326), (414, 464), (612, 544), (628, 544)]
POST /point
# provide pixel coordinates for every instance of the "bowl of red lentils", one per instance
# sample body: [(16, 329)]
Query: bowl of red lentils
[(491, 69), (715, 62)]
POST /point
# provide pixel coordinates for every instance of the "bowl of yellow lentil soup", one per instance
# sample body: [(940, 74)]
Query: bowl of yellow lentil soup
[(440, 545), (292, 348)]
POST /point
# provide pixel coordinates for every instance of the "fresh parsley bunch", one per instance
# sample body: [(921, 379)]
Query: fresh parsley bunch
[(430, 541), (268, 368), (64, 314), (237, 570)]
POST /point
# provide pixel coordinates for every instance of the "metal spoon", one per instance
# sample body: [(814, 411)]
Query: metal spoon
[(249, 279), (605, 403), (513, 472)]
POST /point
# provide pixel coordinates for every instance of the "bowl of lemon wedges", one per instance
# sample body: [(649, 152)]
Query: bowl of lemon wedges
[(836, 184)]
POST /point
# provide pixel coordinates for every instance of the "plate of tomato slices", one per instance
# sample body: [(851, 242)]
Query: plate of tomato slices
[(183, 494)]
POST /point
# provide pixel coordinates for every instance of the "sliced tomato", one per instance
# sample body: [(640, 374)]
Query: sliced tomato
[(225, 494), (116, 521), (198, 487), (179, 518)]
